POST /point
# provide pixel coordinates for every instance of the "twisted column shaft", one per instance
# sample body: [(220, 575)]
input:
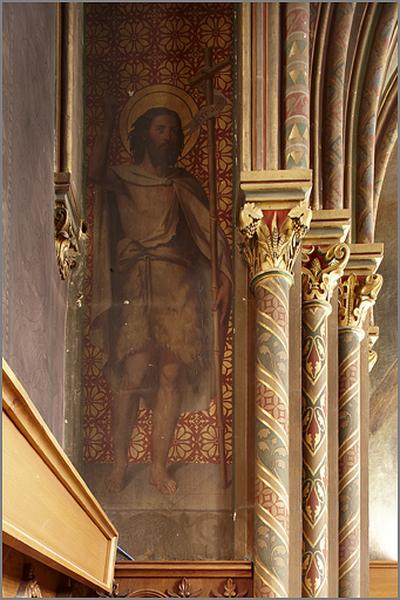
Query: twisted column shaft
[(315, 448), (349, 461), (357, 295), (270, 245), (322, 269), (271, 572)]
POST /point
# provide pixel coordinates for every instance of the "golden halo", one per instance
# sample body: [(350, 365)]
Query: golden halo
[(154, 96)]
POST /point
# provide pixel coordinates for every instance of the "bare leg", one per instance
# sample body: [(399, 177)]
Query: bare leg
[(124, 415), (165, 417)]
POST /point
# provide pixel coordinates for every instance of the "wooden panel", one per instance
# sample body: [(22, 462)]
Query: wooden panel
[(184, 578), (383, 579), (49, 582), (48, 511)]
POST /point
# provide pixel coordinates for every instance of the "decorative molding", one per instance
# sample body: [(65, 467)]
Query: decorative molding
[(328, 227), (70, 229), (383, 579), (364, 259), (184, 579), (237, 569), (276, 189), (183, 590), (321, 271), (67, 251), (272, 247), (86, 551), (356, 296), (146, 593), (230, 590)]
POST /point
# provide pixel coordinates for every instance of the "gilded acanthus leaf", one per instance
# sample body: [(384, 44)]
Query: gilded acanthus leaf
[(67, 250), (276, 247), (321, 271), (356, 296)]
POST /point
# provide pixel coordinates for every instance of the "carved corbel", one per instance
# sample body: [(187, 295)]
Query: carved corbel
[(70, 229), (273, 247), (321, 271), (29, 587), (357, 295)]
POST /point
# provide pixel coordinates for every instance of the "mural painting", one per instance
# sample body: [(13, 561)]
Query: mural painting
[(159, 281)]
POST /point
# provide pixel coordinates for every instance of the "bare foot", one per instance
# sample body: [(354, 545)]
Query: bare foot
[(116, 482), (160, 479)]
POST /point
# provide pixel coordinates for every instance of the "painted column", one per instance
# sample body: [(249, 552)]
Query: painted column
[(322, 268), (270, 246), (297, 92), (260, 68), (357, 294)]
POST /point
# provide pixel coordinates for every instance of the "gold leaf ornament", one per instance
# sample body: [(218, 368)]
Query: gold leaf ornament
[(356, 296), (320, 274), (272, 248)]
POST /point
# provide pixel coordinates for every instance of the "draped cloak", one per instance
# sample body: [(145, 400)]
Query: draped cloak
[(127, 259)]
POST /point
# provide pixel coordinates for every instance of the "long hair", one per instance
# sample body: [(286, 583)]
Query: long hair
[(140, 128)]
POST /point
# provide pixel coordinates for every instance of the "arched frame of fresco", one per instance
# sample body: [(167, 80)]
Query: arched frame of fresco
[(235, 364)]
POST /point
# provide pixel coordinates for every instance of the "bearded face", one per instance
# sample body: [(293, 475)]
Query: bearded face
[(162, 141), (162, 154)]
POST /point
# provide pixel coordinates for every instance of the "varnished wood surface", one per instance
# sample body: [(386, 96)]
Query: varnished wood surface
[(49, 513), (383, 579), (50, 583), (184, 568), (205, 579)]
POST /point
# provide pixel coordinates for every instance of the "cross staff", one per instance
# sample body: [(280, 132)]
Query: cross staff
[(206, 74)]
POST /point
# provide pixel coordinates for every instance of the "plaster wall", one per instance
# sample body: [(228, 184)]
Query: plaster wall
[(383, 403), (34, 297)]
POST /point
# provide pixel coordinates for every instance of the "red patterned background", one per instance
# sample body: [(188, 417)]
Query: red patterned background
[(128, 47)]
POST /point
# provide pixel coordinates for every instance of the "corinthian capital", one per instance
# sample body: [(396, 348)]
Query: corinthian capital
[(321, 270), (69, 228), (357, 294), (273, 247)]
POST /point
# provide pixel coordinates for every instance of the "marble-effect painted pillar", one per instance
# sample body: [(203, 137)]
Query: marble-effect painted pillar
[(320, 274), (270, 246), (271, 532), (356, 296)]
